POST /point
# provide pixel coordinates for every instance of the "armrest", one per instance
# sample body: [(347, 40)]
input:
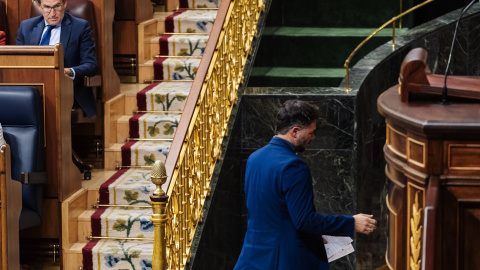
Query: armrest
[(34, 178), (94, 81)]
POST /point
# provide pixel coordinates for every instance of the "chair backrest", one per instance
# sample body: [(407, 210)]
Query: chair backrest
[(3, 22), (3, 16), (21, 116), (82, 9)]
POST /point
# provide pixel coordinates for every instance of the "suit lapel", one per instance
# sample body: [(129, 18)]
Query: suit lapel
[(66, 30), (37, 33)]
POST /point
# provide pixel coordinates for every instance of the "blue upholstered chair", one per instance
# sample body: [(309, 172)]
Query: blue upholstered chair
[(21, 116)]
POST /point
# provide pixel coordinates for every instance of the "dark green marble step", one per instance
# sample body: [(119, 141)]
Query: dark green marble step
[(316, 47), (336, 13), (293, 76)]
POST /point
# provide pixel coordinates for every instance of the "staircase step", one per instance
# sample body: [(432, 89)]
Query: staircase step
[(144, 153), (154, 125), (154, 46), (181, 45), (316, 47), (122, 128), (84, 225), (128, 186), (165, 96), (293, 76), (167, 68), (72, 257), (118, 254), (113, 156), (190, 21), (145, 71), (339, 13), (123, 222)]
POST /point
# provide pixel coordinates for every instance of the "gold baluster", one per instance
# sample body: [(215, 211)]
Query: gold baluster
[(159, 217)]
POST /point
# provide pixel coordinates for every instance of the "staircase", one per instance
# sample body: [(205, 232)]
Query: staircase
[(120, 226), (306, 43)]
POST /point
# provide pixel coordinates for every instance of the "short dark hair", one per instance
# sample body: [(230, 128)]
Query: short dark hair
[(295, 113), (40, 1)]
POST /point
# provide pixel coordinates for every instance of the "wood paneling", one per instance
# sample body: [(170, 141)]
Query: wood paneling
[(471, 246), (64, 178), (125, 41), (11, 206), (71, 210), (51, 221), (143, 11), (104, 13), (439, 175), (114, 109)]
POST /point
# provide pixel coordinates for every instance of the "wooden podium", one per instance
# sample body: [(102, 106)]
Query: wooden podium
[(432, 153)]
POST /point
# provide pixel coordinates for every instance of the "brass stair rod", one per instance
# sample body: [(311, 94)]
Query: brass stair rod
[(159, 112), (347, 62), (147, 140), (119, 167), (152, 81), (179, 8), (393, 35)]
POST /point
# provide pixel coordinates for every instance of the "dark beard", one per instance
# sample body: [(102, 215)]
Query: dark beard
[(299, 149)]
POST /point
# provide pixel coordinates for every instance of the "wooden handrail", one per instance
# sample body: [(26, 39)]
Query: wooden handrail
[(195, 90), (392, 20)]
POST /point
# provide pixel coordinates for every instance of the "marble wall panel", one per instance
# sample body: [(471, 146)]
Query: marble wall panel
[(346, 157)]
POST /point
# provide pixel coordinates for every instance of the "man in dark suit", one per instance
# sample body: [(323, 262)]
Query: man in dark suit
[(284, 231), (56, 26)]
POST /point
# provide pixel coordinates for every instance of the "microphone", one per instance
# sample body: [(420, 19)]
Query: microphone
[(444, 91)]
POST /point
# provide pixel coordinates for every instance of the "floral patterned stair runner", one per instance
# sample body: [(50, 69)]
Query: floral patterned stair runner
[(180, 45), (133, 186), (154, 125), (144, 153), (184, 68), (119, 222), (118, 254), (165, 68), (127, 186), (166, 96)]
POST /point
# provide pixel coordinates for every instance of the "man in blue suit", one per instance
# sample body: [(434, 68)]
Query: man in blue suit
[(56, 26), (284, 231)]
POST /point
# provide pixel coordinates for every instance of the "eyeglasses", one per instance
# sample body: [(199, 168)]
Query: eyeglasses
[(57, 8)]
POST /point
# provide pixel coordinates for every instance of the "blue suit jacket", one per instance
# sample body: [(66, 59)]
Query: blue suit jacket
[(284, 230), (79, 53)]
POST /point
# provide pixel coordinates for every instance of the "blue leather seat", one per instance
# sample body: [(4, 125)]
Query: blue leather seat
[(21, 116)]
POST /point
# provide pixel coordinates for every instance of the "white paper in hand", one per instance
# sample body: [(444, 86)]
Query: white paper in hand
[(338, 246)]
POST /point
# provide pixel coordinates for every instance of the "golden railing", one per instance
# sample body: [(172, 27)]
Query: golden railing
[(203, 125), (391, 21)]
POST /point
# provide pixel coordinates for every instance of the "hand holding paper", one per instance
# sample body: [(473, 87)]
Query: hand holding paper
[(337, 247)]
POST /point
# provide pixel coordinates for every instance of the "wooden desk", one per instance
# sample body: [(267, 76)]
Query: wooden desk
[(432, 153)]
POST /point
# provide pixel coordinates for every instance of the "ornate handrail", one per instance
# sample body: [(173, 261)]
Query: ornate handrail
[(391, 21), (197, 143)]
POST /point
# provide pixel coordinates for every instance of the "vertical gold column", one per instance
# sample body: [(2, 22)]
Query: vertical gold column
[(159, 218)]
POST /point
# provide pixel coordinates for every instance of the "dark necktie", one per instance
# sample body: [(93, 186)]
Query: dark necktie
[(46, 37)]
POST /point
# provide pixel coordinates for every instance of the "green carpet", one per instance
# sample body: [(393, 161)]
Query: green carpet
[(311, 56), (292, 76)]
